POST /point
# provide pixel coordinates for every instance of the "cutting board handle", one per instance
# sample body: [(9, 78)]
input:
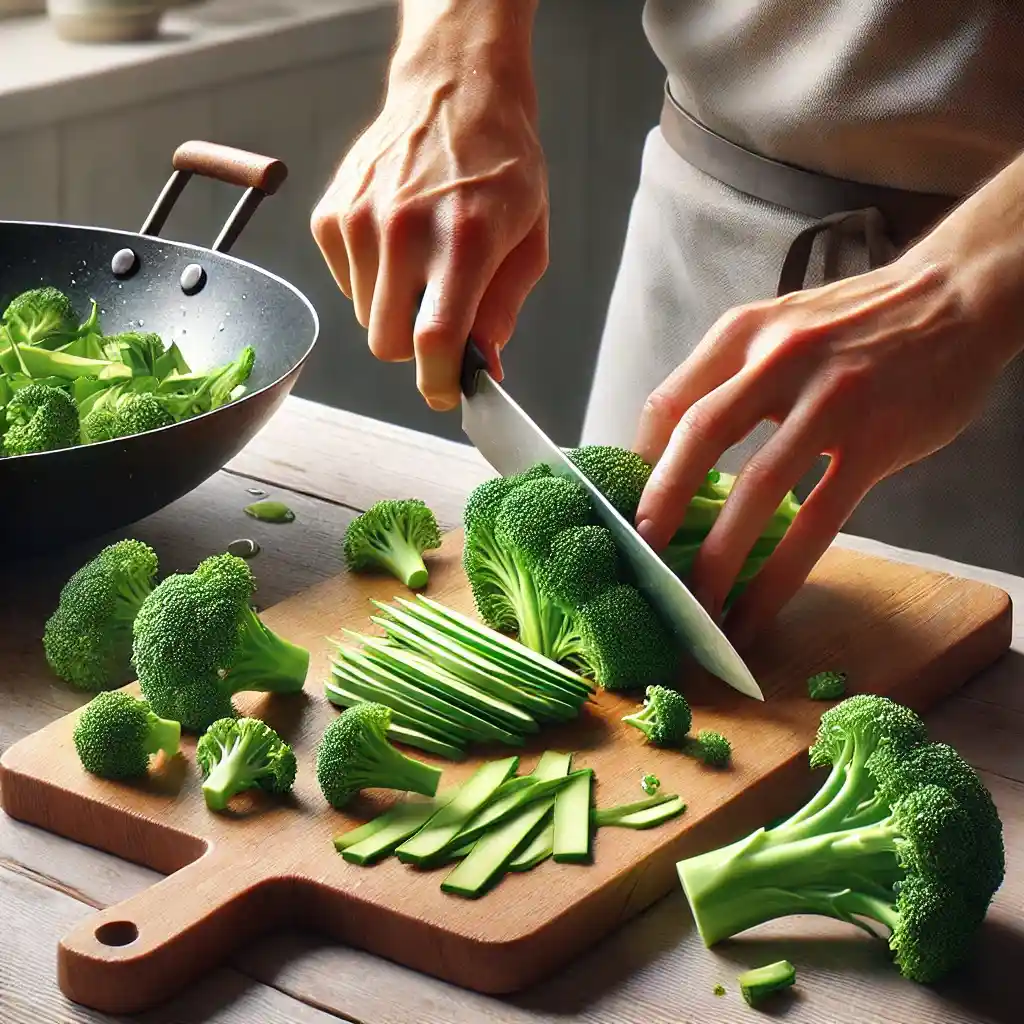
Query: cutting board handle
[(143, 950)]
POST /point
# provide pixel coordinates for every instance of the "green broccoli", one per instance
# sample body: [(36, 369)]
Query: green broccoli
[(619, 474), (40, 419), (138, 412), (650, 784), (139, 351), (355, 754), (902, 834), (540, 567), (665, 717), (392, 535), (185, 395), (759, 983), (827, 686), (198, 641), (41, 316), (116, 734), (88, 639), (236, 754), (99, 425), (710, 747)]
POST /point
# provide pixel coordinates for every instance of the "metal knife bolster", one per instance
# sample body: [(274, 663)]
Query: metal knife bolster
[(512, 443)]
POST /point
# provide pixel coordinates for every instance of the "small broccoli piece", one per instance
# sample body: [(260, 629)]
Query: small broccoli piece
[(710, 747), (719, 989), (99, 425), (619, 474), (902, 834), (116, 734), (236, 754), (665, 717), (582, 562), (650, 784), (198, 641), (137, 413), (355, 754), (41, 316), (827, 686), (88, 639), (622, 642), (185, 395), (759, 983), (139, 351), (40, 419), (392, 535)]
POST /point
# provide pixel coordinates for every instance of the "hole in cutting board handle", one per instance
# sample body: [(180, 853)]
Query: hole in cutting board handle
[(117, 933)]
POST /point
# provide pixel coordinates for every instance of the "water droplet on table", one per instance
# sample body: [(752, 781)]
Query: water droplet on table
[(256, 491), (244, 547)]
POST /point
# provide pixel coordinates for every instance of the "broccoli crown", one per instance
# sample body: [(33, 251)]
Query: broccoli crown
[(40, 315), (236, 754), (619, 474), (40, 419), (392, 535), (116, 734), (197, 641), (827, 686), (99, 424), (622, 642), (902, 834), (88, 638), (712, 748), (582, 562), (355, 754), (539, 566), (139, 412), (665, 717)]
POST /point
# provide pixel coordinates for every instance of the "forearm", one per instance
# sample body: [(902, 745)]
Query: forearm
[(981, 245)]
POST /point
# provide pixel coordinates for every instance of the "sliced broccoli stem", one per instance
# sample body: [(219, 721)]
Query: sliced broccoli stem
[(401, 558), (266, 662), (770, 874), (163, 735), (232, 773)]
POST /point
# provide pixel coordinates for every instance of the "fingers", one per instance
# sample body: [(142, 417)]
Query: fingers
[(396, 292), (326, 229), (821, 517), (719, 356), (758, 491), (708, 427)]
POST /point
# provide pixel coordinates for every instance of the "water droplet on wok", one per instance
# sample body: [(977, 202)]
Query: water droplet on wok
[(244, 547)]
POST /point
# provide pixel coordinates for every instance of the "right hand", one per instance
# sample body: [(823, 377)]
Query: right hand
[(444, 196)]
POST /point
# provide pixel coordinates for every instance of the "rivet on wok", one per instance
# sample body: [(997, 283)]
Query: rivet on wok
[(193, 277), (124, 263)]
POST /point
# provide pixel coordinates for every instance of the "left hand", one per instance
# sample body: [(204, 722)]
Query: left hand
[(875, 371)]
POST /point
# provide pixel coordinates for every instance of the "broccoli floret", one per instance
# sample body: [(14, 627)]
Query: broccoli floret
[(582, 562), (136, 413), (99, 425), (759, 983), (116, 734), (392, 535), (185, 395), (41, 316), (619, 474), (827, 686), (355, 754), (665, 717), (650, 784), (534, 571), (236, 754), (710, 747), (902, 835), (139, 351), (40, 419), (198, 641), (88, 639)]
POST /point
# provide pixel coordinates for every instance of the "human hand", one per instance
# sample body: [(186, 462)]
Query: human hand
[(876, 371), (444, 196)]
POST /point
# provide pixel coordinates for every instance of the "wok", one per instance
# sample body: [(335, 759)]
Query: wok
[(210, 303)]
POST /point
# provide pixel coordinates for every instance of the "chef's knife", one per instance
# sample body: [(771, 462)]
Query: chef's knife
[(511, 442)]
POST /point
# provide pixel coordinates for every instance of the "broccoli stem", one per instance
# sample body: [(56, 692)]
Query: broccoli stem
[(772, 874), (230, 775), (641, 719), (266, 662), (402, 558), (163, 735)]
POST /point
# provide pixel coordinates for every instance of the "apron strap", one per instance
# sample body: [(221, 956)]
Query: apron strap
[(889, 219)]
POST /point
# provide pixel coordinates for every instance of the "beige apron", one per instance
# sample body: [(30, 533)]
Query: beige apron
[(919, 95)]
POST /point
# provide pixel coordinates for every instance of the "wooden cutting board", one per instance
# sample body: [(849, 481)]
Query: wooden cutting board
[(897, 630)]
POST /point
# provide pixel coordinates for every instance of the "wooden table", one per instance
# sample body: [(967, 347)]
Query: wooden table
[(328, 465)]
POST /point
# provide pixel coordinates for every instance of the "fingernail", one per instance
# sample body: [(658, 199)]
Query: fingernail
[(646, 529)]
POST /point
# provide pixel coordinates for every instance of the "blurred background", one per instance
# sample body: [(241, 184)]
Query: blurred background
[(87, 132)]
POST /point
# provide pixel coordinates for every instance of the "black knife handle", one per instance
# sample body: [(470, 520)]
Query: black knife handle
[(473, 360)]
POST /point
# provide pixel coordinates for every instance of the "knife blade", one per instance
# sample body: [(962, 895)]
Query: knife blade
[(511, 442)]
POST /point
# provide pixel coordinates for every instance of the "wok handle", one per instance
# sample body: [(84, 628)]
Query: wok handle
[(260, 176)]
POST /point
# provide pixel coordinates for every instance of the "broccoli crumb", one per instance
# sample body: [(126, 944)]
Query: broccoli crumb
[(827, 686), (719, 990), (270, 512), (650, 784)]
